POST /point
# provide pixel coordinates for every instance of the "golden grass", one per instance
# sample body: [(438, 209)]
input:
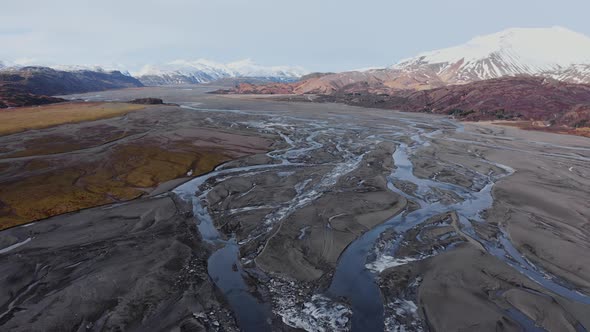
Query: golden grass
[(148, 165), (120, 176), (25, 118), (41, 196)]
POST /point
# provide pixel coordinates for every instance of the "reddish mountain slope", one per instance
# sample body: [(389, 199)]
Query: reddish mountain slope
[(509, 98)]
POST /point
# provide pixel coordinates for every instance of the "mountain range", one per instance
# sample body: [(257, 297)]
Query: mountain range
[(180, 72), (554, 52), (204, 71)]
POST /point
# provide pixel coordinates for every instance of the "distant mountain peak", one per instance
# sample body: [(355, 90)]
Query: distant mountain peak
[(509, 52)]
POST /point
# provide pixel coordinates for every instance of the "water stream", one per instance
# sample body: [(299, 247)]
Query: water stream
[(352, 280)]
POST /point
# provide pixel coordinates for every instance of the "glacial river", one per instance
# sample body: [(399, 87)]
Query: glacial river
[(353, 280)]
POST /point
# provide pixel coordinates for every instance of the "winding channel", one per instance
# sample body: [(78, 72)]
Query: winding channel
[(352, 279)]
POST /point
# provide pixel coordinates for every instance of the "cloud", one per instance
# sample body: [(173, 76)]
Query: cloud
[(320, 35)]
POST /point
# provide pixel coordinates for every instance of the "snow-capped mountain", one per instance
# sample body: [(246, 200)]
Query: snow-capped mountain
[(556, 53), (536, 51), (203, 71)]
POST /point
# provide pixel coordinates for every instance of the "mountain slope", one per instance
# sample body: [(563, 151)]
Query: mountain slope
[(47, 81), (29, 86), (375, 80), (525, 98), (204, 71)]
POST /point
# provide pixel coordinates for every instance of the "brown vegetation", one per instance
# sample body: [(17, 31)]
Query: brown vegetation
[(130, 171)]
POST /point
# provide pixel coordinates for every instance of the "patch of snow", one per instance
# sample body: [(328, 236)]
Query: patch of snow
[(319, 314), (384, 262)]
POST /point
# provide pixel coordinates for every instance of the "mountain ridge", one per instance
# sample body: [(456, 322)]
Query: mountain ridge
[(205, 71), (181, 71)]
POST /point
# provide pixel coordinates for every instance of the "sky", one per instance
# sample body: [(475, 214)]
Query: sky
[(319, 35)]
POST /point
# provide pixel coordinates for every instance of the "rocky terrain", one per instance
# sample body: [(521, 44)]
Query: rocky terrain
[(357, 219)]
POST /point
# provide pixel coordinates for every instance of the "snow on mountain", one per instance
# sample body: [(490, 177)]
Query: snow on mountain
[(68, 68), (203, 71), (573, 74), (534, 51), (96, 68), (247, 68)]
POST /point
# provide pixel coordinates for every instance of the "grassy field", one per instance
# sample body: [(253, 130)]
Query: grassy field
[(125, 173), (24, 118)]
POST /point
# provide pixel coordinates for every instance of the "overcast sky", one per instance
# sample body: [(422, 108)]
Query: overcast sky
[(320, 35)]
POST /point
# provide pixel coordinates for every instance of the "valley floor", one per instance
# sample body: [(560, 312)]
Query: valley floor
[(357, 219)]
